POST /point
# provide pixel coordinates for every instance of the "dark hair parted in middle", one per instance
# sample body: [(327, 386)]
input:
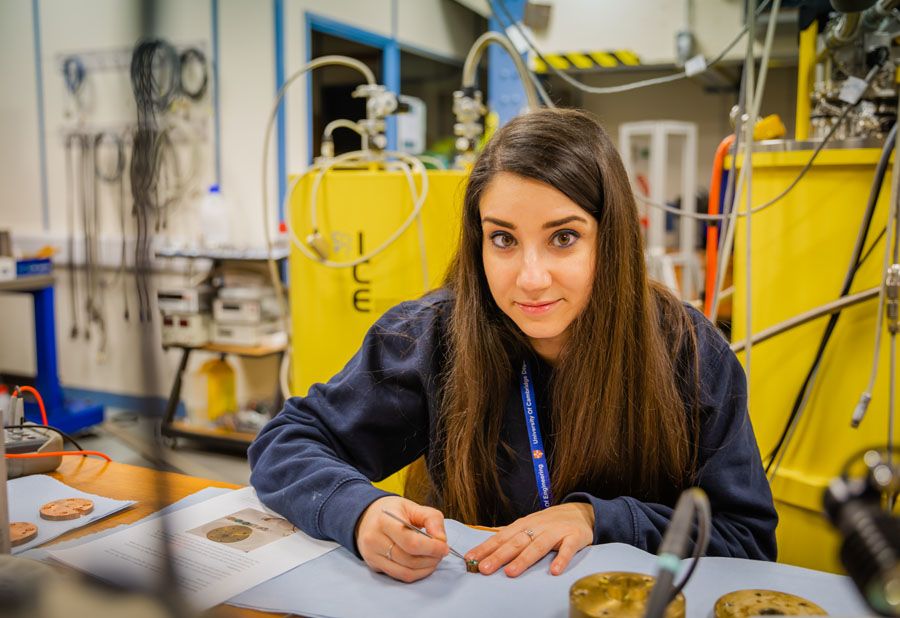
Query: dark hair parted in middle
[(625, 399)]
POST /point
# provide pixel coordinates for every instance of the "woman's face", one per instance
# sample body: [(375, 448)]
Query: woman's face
[(539, 252)]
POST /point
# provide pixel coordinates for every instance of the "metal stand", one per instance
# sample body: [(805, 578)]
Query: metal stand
[(69, 416)]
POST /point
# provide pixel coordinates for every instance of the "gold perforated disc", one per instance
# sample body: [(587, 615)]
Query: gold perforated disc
[(66, 509), (229, 534), (616, 594), (746, 603), (20, 532)]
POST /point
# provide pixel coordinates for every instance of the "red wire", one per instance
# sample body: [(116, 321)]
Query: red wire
[(57, 454), (37, 396), (40, 402)]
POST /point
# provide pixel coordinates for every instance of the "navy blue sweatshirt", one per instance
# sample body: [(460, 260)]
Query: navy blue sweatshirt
[(314, 462)]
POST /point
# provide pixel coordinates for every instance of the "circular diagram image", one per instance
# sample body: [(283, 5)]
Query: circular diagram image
[(229, 534)]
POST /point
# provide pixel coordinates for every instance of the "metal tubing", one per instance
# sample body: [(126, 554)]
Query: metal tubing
[(470, 67), (808, 316)]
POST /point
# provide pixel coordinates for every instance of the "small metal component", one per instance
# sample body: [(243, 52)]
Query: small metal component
[(745, 603), (472, 566), (616, 594), (468, 109), (892, 301)]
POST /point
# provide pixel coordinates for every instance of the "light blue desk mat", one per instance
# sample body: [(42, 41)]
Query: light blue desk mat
[(28, 493), (338, 585)]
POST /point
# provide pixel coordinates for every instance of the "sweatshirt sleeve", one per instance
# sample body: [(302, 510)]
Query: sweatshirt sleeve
[(730, 472), (315, 461)]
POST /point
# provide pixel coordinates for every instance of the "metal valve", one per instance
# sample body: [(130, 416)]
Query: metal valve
[(892, 291), (469, 110)]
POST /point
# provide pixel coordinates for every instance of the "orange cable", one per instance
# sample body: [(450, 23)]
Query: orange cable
[(57, 454), (712, 231), (37, 396)]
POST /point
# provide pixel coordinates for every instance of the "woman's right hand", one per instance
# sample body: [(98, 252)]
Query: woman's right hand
[(389, 547)]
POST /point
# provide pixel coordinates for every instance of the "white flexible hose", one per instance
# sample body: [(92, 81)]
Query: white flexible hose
[(316, 63), (474, 57), (435, 161), (355, 157)]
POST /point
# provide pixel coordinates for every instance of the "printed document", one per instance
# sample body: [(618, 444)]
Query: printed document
[(220, 548)]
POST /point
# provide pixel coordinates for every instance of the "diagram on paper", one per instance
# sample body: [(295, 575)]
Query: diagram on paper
[(246, 530)]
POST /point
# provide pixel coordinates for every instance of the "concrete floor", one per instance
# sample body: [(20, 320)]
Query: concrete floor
[(127, 438)]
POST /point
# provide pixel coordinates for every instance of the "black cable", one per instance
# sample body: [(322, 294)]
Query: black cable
[(855, 263), (154, 74), (117, 177), (700, 547), (873, 245), (71, 139), (64, 435), (152, 62), (192, 57)]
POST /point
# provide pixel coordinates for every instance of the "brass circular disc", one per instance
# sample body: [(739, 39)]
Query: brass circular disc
[(229, 534), (20, 532), (617, 594), (746, 603), (66, 509)]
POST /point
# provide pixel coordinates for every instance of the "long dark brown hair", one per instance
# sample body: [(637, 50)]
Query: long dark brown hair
[(624, 389)]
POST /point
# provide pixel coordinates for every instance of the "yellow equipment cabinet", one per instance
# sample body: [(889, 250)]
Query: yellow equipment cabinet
[(801, 249), (331, 309)]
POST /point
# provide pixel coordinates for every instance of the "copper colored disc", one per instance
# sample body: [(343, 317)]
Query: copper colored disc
[(66, 509), (229, 534), (745, 603), (20, 532)]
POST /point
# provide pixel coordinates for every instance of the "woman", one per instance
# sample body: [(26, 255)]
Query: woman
[(546, 304)]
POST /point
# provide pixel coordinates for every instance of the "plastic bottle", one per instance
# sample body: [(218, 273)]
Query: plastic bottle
[(221, 395), (215, 230)]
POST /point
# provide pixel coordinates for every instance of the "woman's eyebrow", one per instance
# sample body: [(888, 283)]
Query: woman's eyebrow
[(563, 221), (499, 222)]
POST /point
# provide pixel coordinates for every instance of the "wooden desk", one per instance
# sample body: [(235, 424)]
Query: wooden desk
[(125, 482)]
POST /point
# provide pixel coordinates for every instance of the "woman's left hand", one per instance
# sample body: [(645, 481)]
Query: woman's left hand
[(566, 528)]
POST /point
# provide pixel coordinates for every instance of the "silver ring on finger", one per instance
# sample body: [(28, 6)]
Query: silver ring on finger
[(387, 554), (530, 533)]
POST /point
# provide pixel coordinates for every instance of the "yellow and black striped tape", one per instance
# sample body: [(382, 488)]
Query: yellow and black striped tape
[(605, 59)]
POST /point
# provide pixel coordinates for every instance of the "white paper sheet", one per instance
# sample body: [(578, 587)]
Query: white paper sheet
[(42, 554), (28, 493), (221, 547)]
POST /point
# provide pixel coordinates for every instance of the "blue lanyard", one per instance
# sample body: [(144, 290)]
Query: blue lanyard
[(538, 458)]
